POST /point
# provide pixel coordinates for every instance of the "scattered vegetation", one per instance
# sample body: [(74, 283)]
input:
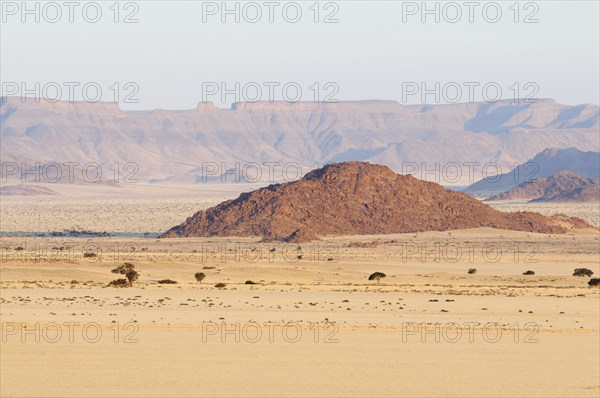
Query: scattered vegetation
[(167, 282), (472, 271), (376, 276), (127, 269), (220, 285), (529, 272), (199, 276), (583, 272), (249, 282)]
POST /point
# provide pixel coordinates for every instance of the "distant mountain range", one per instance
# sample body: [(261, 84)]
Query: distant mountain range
[(176, 146), (26, 190), (564, 186), (544, 164)]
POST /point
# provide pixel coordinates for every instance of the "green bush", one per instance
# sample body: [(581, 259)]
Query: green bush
[(529, 272), (583, 272)]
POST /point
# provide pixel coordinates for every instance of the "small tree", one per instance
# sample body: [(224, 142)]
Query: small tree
[(529, 272), (200, 276), (594, 282), (583, 272), (127, 269), (376, 276), (472, 271)]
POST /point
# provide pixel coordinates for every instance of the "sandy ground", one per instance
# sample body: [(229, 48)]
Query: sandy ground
[(127, 208), (310, 326)]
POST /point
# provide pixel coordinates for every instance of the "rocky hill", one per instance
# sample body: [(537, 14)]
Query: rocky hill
[(564, 186), (546, 163), (356, 198)]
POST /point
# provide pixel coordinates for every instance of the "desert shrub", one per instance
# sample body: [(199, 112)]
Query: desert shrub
[(121, 282), (376, 276), (19, 248), (199, 276), (583, 272), (529, 272), (208, 267), (594, 282), (220, 285), (167, 282), (127, 269), (89, 255), (249, 282), (472, 271)]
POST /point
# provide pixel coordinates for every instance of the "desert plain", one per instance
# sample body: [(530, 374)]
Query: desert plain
[(309, 324)]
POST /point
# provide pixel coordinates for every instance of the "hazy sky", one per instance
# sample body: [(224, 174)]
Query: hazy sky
[(178, 51)]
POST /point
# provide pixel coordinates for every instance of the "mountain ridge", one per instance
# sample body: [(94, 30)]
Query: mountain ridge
[(564, 186), (170, 147), (545, 164)]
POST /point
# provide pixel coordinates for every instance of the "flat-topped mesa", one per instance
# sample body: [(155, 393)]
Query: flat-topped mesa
[(357, 198), (67, 107), (378, 105), (206, 106)]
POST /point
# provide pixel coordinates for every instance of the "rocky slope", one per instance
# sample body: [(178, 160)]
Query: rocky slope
[(546, 163), (564, 186), (356, 198)]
